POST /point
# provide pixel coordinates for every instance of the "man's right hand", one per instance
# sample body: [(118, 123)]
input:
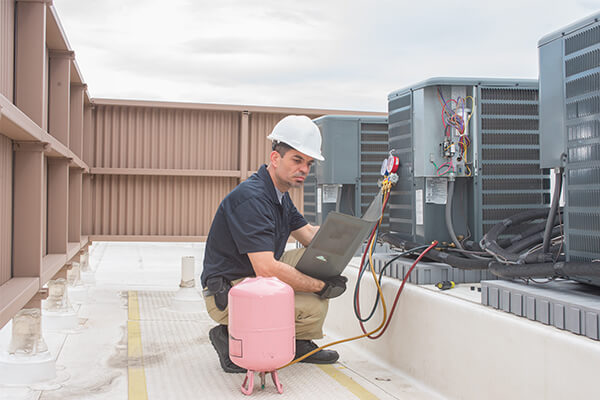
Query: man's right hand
[(334, 287)]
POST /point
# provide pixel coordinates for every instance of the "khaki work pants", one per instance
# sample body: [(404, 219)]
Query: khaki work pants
[(310, 309)]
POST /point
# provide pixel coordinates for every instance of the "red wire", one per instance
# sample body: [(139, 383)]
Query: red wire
[(389, 319)]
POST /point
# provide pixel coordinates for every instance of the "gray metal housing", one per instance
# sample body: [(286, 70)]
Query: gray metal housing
[(504, 152), (570, 112), (353, 148)]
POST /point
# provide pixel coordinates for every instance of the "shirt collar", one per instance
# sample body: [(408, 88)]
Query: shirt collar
[(279, 194), (264, 175)]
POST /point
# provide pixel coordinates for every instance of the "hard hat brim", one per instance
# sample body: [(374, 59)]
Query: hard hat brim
[(300, 149)]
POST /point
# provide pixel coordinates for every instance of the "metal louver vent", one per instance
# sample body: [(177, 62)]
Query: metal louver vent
[(511, 178), (582, 40), (310, 198), (401, 207), (582, 63), (373, 149), (582, 188)]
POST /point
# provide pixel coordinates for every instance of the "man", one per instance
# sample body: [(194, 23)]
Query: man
[(248, 237)]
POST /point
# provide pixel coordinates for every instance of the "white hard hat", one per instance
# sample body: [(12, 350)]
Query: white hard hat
[(300, 133)]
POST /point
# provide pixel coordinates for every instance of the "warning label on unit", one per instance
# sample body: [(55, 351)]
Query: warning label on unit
[(419, 206), (436, 190), (330, 193)]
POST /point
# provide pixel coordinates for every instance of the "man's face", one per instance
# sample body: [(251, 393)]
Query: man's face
[(291, 169)]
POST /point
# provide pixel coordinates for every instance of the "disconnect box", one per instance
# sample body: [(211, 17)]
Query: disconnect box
[(471, 142), (346, 181)]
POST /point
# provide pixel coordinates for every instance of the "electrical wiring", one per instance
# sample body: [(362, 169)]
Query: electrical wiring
[(449, 168), (457, 118), (469, 168)]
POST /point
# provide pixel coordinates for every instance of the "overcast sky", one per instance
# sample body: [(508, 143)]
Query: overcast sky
[(308, 53)]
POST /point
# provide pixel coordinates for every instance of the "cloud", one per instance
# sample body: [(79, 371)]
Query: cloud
[(334, 54)]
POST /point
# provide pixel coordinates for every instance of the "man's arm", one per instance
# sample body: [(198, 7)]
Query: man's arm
[(265, 264), (305, 234)]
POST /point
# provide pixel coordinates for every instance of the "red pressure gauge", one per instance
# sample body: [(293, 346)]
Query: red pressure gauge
[(393, 163)]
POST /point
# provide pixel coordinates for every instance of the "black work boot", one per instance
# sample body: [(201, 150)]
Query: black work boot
[(219, 337), (320, 357)]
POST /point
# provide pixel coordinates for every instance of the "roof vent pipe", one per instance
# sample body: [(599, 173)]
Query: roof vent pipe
[(187, 298)]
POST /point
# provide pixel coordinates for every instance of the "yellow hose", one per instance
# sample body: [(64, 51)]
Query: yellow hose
[(386, 187)]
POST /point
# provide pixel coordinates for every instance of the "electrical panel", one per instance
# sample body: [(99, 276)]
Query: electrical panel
[(346, 181), (480, 134), (570, 121)]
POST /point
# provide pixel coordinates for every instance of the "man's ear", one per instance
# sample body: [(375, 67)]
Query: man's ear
[(275, 158)]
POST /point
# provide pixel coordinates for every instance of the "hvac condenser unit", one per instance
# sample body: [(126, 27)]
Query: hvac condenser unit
[(480, 135), (346, 181), (570, 130)]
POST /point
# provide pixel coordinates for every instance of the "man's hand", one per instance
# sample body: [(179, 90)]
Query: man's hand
[(334, 287)]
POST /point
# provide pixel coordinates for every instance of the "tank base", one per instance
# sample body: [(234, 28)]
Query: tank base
[(25, 369), (248, 385)]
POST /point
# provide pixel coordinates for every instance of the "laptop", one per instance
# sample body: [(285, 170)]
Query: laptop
[(334, 245)]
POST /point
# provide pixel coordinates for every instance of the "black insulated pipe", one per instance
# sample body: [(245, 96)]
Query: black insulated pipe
[(488, 242), (439, 256), (553, 214), (545, 270), (533, 240), (448, 215)]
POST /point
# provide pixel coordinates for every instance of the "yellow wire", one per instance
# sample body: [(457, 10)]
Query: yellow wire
[(472, 106), (385, 188)]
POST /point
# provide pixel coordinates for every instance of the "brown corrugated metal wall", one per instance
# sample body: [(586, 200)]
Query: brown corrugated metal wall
[(145, 137), (260, 147), (159, 171), (5, 208), (7, 39), (126, 205)]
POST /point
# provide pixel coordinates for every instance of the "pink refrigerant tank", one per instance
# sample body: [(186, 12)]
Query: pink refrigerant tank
[(261, 328)]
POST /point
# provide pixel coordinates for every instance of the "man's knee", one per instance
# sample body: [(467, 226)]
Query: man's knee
[(310, 305), (219, 316)]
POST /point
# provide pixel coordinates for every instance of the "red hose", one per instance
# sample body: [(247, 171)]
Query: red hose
[(431, 246)]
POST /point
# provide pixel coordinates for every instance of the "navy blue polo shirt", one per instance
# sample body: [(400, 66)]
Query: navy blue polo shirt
[(249, 219)]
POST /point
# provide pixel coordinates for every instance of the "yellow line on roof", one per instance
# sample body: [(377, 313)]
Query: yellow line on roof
[(135, 369), (133, 306), (347, 382)]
